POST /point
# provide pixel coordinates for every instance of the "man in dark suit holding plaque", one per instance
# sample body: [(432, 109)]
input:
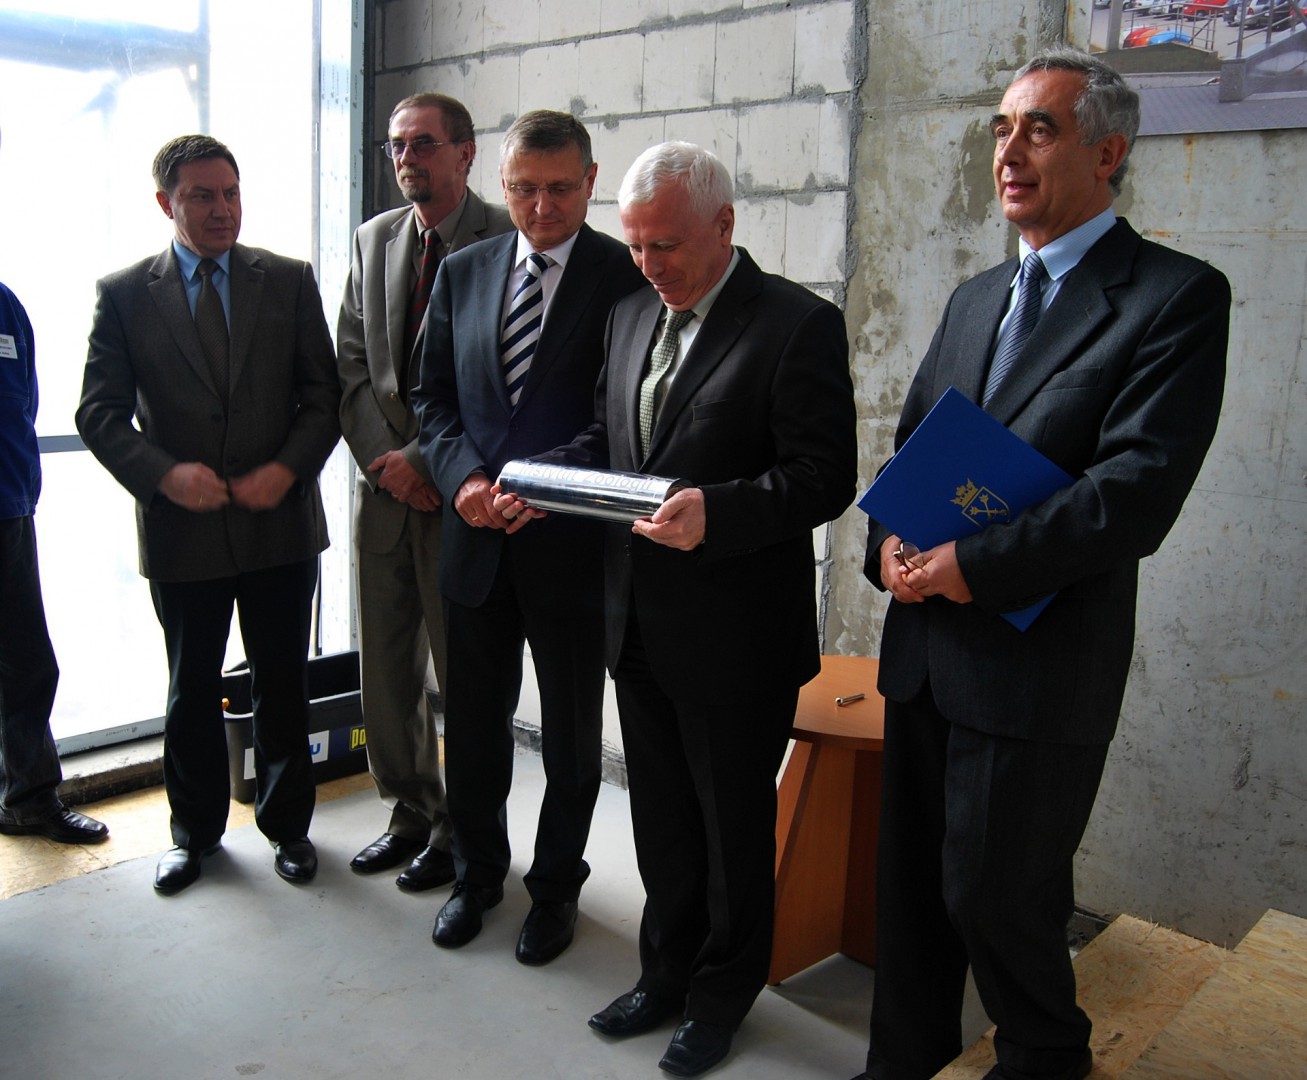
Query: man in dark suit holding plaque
[(738, 382), (210, 393), (514, 342), (1106, 353)]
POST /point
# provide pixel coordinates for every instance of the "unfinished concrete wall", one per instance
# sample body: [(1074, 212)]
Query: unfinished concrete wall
[(857, 133), (1202, 816), (767, 87)]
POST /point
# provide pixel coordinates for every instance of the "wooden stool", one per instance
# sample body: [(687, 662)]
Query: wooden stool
[(828, 821)]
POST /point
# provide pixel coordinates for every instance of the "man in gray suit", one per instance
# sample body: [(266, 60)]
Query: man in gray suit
[(995, 739), (397, 509), (210, 393)]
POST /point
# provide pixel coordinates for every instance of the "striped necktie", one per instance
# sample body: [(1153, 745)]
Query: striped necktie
[(521, 331), (1019, 325)]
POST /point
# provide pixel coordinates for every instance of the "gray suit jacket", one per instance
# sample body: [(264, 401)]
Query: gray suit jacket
[(1120, 384), (145, 363), (375, 415)]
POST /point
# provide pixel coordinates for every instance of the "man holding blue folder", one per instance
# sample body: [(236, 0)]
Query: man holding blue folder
[(1106, 353)]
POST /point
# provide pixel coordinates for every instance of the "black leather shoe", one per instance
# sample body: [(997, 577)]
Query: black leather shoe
[(547, 931), (634, 1013), (295, 860), (63, 825), (386, 852), (695, 1048), (429, 870), (178, 868), (1081, 1068), (459, 920)]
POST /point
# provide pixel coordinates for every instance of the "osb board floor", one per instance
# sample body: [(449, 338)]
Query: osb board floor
[(138, 825), (1248, 1021), (1133, 979)]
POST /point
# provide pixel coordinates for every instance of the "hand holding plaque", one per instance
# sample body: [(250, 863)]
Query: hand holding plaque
[(596, 493)]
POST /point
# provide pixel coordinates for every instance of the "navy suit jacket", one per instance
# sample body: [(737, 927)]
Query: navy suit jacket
[(465, 420), (1120, 384)]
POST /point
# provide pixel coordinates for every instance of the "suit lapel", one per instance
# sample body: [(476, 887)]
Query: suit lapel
[(246, 298), (1079, 308), (399, 255), (490, 272), (638, 346), (168, 292), (731, 312), (984, 311)]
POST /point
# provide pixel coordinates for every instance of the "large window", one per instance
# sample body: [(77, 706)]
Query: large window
[(88, 93)]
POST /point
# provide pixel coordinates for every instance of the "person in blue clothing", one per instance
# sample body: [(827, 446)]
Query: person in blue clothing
[(29, 763)]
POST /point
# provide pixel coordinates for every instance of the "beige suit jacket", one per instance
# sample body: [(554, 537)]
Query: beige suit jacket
[(375, 415)]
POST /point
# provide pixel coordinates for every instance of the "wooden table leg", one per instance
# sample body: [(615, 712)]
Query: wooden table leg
[(813, 829)]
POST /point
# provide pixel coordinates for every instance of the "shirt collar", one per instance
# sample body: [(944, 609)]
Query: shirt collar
[(559, 254), (1061, 256), (709, 298), (188, 261), (446, 227)]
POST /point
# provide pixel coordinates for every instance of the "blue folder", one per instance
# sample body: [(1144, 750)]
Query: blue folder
[(958, 472)]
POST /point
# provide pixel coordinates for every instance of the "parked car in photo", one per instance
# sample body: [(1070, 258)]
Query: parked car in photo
[(1203, 9), (1275, 13)]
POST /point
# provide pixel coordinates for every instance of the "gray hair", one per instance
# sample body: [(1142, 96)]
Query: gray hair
[(1106, 106), (546, 131), (705, 177)]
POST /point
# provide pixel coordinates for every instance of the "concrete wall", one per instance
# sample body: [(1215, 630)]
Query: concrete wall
[(857, 133)]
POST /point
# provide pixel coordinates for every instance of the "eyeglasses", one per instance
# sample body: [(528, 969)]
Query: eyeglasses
[(422, 147), (530, 192), (909, 556)]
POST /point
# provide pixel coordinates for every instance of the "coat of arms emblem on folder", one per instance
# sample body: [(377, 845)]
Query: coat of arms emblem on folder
[(981, 506)]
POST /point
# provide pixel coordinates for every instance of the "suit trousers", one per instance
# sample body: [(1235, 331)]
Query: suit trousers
[(401, 637), (702, 779), (565, 630), (29, 762), (274, 607), (978, 835)]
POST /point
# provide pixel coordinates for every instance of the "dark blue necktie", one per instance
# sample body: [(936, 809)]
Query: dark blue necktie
[(1024, 316)]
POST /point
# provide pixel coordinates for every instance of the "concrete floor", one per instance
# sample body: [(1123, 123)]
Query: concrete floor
[(243, 975)]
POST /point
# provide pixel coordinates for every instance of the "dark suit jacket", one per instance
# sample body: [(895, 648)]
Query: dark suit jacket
[(145, 362), (760, 416), (1120, 384), (466, 422), (375, 416)]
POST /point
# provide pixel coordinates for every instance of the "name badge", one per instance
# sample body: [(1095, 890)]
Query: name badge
[(8, 349)]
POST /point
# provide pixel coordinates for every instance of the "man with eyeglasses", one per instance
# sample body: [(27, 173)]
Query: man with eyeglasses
[(397, 508), (513, 347)]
